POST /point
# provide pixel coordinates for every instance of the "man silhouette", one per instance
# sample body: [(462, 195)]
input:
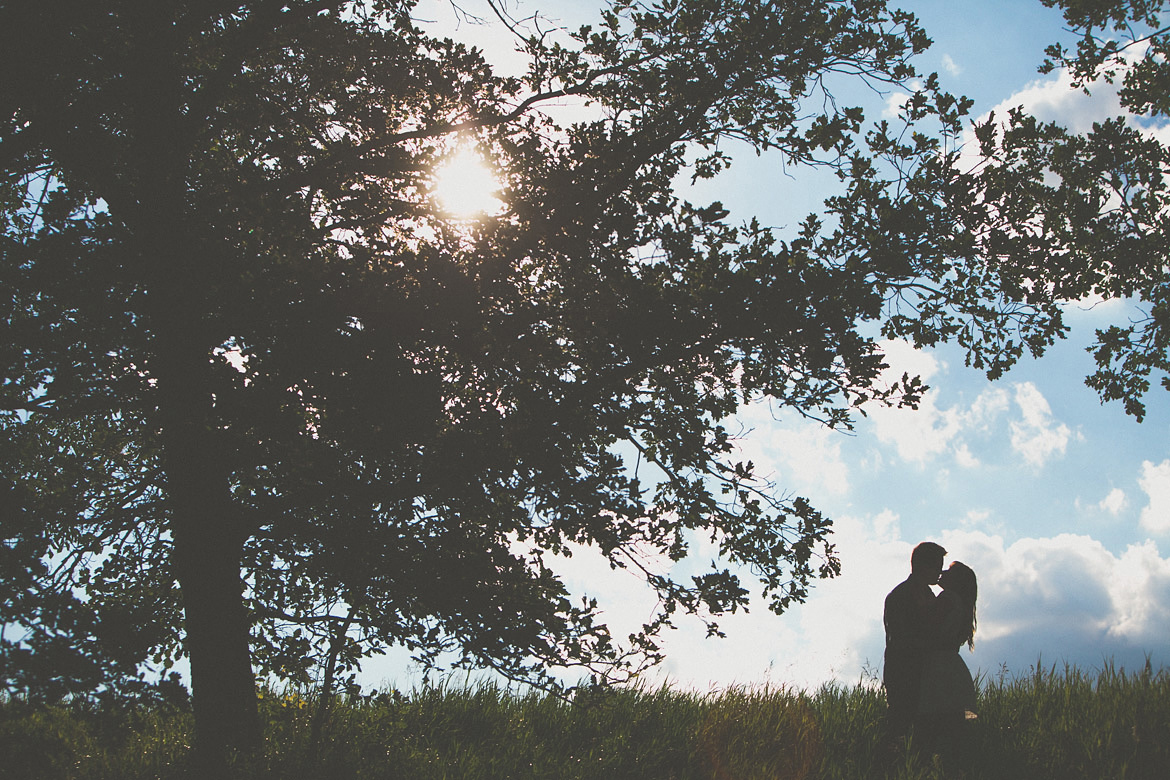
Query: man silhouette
[(907, 617)]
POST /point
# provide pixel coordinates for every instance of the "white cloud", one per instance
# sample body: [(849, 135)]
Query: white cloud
[(988, 407), (1057, 599), (1114, 503), (903, 357), (894, 103), (1054, 99), (964, 457), (1027, 585), (1142, 595), (1065, 598), (886, 526), (1037, 436), (950, 66), (1062, 598), (747, 655), (896, 100), (836, 634), (1155, 481), (804, 456), (921, 436), (812, 455), (975, 518)]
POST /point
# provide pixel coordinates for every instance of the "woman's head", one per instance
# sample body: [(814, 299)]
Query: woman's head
[(960, 579)]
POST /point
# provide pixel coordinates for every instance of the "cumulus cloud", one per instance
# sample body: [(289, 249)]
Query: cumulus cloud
[(1055, 99), (922, 435), (1155, 481), (987, 408), (812, 455), (836, 635), (886, 526), (950, 66), (1060, 599), (1114, 503), (1036, 435), (896, 100), (975, 518), (1141, 593), (964, 457), (804, 456), (1065, 599)]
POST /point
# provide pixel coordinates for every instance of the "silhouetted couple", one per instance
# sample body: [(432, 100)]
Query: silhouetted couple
[(928, 687)]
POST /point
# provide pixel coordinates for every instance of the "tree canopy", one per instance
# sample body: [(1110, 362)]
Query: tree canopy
[(1084, 217), (246, 352)]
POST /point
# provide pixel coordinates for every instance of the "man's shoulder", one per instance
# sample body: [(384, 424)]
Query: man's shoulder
[(902, 590), (900, 598)]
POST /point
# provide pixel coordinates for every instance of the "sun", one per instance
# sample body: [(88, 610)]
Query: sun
[(466, 186)]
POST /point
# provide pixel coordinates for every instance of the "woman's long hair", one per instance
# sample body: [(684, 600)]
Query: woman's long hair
[(962, 581)]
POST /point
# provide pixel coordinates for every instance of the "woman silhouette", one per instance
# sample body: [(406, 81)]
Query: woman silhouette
[(948, 692)]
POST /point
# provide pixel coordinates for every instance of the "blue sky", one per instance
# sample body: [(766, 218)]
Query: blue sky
[(1060, 505)]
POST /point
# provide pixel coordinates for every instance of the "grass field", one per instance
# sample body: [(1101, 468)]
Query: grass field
[(1060, 724)]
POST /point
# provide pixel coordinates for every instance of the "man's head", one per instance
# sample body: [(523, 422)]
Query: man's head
[(927, 561)]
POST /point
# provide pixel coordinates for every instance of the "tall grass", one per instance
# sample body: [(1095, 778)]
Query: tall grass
[(1061, 724)]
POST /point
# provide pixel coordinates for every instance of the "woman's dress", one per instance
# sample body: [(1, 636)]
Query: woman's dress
[(947, 687)]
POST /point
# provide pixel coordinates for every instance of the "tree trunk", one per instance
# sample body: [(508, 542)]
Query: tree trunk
[(227, 722), (208, 543), (206, 532)]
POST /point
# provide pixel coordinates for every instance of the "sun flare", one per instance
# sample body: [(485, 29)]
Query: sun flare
[(466, 186)]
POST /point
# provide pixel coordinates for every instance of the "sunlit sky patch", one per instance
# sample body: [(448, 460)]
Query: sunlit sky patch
[(466, 186)]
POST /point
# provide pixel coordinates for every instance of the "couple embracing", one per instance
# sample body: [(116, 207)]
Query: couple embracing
[(927, 684)]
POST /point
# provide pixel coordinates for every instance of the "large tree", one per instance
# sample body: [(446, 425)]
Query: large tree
[(245, 351)]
